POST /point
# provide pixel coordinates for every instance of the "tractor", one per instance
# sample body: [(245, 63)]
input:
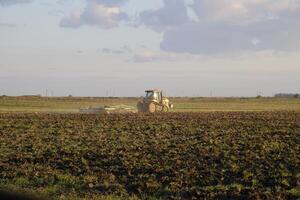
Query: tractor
[(154, 101)]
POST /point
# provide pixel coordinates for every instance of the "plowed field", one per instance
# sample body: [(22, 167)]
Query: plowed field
[(229, 155)]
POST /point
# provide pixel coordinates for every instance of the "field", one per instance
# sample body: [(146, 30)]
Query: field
[(183, 104), (227, 148), (212, 155)]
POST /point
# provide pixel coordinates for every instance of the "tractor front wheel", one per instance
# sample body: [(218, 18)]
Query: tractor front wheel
[(165, 108)]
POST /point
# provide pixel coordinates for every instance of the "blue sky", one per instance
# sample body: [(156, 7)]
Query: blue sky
[(121, 47)]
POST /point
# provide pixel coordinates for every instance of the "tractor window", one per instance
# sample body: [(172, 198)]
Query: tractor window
[(150, 94), (157, 96), (153, 95)]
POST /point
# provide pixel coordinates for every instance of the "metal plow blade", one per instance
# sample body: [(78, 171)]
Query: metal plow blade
[(108, 109)]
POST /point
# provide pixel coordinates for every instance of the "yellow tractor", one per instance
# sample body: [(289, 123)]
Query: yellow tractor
[(154, 101)]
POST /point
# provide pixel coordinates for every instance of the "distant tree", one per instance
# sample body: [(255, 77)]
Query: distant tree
[(287, 95), (258, 96)]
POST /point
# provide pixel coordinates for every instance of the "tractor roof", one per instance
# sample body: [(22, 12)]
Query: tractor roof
[(153, 90)]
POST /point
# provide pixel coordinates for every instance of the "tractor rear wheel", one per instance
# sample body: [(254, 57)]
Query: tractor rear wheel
[(151, 107)]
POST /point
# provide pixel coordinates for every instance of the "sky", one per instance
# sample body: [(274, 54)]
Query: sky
[(122, 47)]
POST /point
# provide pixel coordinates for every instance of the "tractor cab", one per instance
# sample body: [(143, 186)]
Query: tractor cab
[(155, 95)]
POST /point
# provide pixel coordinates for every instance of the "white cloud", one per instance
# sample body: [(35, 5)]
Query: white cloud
[(172, 14), (218, 37), (225, 26), (241, 11), (12, 2), (218, 26), (73, 21), (110, 51), (9, 25), (96, 14), (122, 50), (150, 56), (109, 2)]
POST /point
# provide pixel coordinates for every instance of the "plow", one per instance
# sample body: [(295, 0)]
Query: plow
[(108, 109)]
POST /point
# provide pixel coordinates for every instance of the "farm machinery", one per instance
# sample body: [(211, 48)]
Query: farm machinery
[(108, 109), (154, 101)]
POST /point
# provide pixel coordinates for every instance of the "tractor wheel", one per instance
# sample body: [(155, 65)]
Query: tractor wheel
[(151, 107), (165, 109), (140, 107)]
